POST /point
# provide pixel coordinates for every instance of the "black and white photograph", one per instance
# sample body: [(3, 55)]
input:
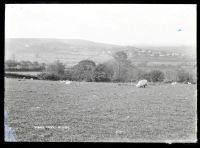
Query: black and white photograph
[(100, 73)]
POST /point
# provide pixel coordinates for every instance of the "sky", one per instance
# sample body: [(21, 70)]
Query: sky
[(121, 24)]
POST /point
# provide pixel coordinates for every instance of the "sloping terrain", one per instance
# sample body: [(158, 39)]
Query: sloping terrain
[(71, 51), (48, 50)]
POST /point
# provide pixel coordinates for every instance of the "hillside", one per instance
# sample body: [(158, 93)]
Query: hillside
[(71, 51), (48, 50), (161, 55)]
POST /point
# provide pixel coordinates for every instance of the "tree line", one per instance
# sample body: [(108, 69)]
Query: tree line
[(120, 69), (13, 65)]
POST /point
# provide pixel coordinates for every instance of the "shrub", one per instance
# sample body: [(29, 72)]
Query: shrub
[(102, 73), (132, 75), (83, 71), (68, 74), (144, 75), (54, 71), (48, 76), (11, 63), (156, 76), (100, 77), (57, 68), (184, 76), (170, 76), (168, 81)]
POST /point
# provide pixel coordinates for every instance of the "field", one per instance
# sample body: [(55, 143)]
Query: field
[(32, 73), (105, 112)]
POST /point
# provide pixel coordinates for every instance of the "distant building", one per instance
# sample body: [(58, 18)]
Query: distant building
[(141, 51)]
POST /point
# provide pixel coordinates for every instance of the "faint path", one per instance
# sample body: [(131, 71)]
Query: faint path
[(8, 132)]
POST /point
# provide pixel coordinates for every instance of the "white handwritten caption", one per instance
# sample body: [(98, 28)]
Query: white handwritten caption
[(51, 127)]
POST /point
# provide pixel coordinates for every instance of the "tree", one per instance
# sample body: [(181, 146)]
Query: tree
[(184, 76), (25, 63), (171, 75), (54, 71), (11, 63), (122, 67), (87, 64), (13, 57), (102, 73), (121, 56), (156, 75), (35, 63), (56, 68), (143, 75), (83, 71)]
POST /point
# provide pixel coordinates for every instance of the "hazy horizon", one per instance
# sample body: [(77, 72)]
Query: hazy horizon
[(136, 45), (118, 24)]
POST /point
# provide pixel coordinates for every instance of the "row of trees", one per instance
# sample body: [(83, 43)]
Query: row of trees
[(13, 65), (118, 70)]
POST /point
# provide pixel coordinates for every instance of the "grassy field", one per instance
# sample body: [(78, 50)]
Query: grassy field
[(105, 112), (31, 73)]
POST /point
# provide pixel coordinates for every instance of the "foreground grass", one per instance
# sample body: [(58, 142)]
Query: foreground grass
[(53, 111)]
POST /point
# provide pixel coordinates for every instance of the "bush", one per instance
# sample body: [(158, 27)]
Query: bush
[(102, 73), (48, 76), (54, 71), (57, 68), (144, 75), (68, 74), (156, 76), (11, 63), (168, 81), (83, 71), (100, 77), (184, 76), (170, 76)]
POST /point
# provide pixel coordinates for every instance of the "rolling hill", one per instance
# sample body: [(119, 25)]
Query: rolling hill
[(71, 51), (48, 50)]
